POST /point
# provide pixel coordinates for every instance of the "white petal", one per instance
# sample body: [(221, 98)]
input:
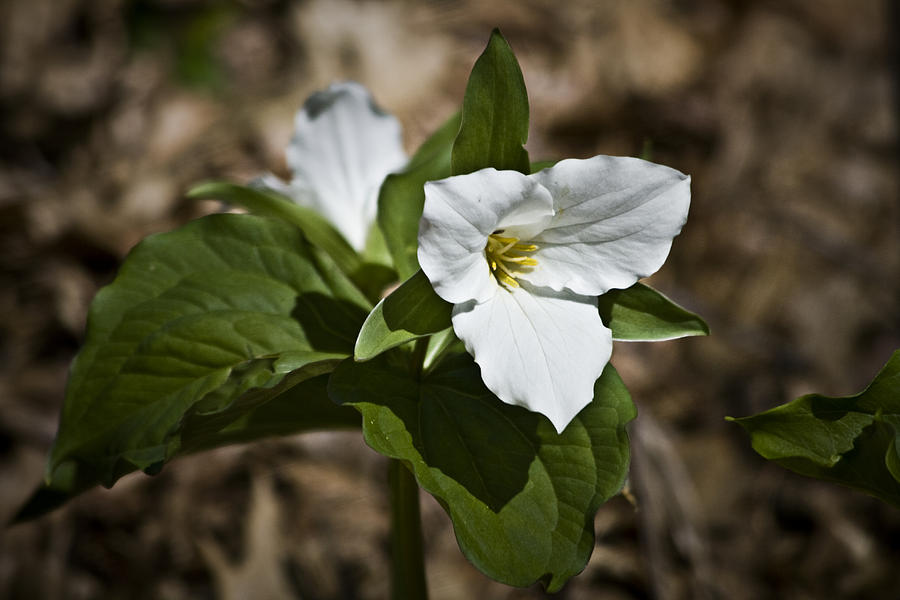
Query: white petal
[(343, 148), (541, 351), (460, 213), (614, 223)]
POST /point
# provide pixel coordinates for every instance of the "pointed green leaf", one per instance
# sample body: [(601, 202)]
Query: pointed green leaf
[(494, 124), (641, 314), (268, 203), (411, 311), (402, 196), (522, 498), (202, 325), (850, 440), (816, 428)]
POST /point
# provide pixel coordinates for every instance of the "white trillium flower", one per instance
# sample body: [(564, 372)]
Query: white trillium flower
[(523, 258), (343, 147)]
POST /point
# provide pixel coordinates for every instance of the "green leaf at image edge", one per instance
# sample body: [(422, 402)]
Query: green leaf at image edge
[(494, 125), (642, 314), (848, 440), (522, 498), (411, 311), (202, 325)]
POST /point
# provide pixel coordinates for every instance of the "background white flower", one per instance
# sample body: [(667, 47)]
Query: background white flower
[(343, 147), (523, 259)]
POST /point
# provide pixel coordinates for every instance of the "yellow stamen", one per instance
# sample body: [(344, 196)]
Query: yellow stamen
[(504, 240), (504, 278), (505, 257), (522, 260)]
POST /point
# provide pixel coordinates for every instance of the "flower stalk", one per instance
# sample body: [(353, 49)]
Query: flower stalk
[(407, 559)]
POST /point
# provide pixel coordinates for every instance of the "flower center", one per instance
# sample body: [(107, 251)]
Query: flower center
[(507, 259)]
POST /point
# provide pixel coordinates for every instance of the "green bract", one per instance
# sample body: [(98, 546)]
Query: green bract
[(494, 124), (522, 497), (641, 314), (201, 327), (403, 194), (851, 440)]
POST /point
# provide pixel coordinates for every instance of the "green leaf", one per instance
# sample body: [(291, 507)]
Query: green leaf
[(850, 440), (815, 428), (641, 314), (267, 203), (303, 407), (494, 124), (202, 325), (540, 165), (522, 498), (402, 196), (411, 311), (299, 408)]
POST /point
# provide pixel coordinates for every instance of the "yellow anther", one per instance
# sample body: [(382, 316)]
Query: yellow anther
[(504, 278), (521, 260), (506, 259)]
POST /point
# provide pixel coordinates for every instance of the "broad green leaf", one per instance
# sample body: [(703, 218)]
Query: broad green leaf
[(268, 203), (522, 498), (815, 428), (303, 407), (202, 325), (411, 311), (850, 440), (641, 314), (402, 196), (494, 125)]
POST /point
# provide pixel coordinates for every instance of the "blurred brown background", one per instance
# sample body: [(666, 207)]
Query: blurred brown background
[(783, 111)]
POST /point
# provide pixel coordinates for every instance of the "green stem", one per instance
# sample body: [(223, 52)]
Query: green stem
[(408, 563), (417, 358)]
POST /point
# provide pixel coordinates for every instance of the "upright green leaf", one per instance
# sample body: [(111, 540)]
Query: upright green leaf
[(402, 196), (641, 314), (268, 203), (522, 498), (201, 326), (494, 124), (850, 440), (411, 311)]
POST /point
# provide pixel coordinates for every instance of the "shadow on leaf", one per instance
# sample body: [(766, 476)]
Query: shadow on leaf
[(455, 423), (330, 324)]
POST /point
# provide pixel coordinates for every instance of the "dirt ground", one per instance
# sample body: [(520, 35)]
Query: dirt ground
[(785, 114)]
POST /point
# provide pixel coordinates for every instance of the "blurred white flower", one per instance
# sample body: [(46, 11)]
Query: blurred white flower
[(343, 147), (523, 259)]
